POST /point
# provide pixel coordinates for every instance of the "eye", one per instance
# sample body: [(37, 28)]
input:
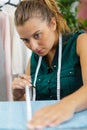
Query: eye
[(26, 40), (37, 36)]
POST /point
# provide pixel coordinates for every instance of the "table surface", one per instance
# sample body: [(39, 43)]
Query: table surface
[(13, 116)]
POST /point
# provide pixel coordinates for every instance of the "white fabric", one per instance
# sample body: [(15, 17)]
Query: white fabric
[(6, 40), (20, 53), (2, 2), (3, 93)]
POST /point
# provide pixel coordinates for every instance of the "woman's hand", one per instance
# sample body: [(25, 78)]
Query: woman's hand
[(52, 115), (21, 82), (18, 86)]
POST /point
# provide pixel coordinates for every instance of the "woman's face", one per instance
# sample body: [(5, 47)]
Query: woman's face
[(38, 36)]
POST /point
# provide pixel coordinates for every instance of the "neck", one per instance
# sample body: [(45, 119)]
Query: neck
[(51, 54)]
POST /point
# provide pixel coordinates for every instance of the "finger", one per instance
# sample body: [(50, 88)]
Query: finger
[(21, 85), (42, 111), (18, 82), (28, 78), (40, 122), (44, 118), (26, 83)]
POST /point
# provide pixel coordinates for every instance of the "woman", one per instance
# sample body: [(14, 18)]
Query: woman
[(58, 65)]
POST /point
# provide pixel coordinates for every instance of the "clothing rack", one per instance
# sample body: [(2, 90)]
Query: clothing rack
[(9, 3), (12, 4)]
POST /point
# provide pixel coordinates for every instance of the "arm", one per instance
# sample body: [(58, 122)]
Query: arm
[(65, 109), (79, 98), (82, 52)]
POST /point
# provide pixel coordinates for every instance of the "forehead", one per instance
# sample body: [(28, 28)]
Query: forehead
[(31, 26)]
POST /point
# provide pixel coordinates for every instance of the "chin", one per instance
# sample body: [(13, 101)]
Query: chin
[(42, 54)]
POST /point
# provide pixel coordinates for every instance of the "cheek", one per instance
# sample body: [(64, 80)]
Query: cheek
[(46, 42), (50, 41)]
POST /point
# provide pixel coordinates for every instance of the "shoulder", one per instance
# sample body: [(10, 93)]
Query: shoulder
[(72, 35), (82, 37), (76, 40), (81, 43)]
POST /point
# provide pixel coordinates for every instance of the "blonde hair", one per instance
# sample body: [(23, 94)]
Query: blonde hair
[(43, 9)]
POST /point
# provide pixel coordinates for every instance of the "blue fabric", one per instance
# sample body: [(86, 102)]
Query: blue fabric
[(13, 116)]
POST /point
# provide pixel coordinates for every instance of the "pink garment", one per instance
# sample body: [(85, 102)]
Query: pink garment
[(84, 1), (82, 10), (6, 39), (20, 53)]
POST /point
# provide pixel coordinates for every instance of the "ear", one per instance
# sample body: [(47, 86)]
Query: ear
[(53, 24)]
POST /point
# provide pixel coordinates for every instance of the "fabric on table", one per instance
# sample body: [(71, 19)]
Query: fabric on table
[(13, 116)]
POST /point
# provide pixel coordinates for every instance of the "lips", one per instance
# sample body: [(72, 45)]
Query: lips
[(39, 51)]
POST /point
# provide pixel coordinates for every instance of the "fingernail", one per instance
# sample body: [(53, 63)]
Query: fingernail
[(30, 127), (39, 127), (51, 125)]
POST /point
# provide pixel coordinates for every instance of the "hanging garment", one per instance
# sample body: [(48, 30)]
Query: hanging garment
[(3, 91), (6, 41), (20, 54)]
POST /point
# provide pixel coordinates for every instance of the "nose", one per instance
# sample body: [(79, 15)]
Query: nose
[(33, 44)]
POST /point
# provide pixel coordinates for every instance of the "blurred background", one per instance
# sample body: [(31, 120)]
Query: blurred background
[(75, 12)]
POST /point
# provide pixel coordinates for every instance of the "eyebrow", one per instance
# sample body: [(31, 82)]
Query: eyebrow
[(24, 38), (31, 35), (35, 32)]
